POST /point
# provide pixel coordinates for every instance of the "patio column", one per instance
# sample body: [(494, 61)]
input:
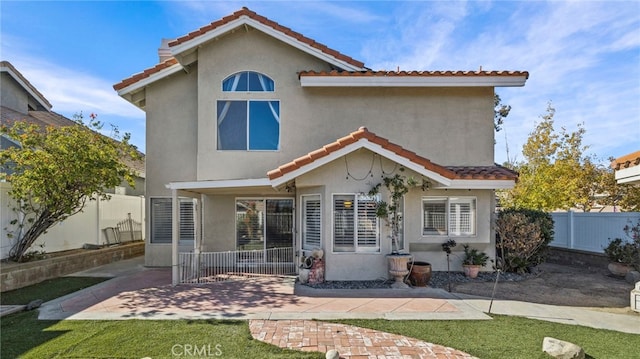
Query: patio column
[(175, 236)]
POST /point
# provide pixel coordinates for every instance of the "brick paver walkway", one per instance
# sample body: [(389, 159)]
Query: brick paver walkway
[(350, 341)]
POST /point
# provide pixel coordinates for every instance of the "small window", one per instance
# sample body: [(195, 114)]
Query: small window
[(161, 224), (452, 216), (248, 81), (355, 224)]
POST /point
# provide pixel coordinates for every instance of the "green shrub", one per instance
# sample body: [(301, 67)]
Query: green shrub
[(626, 251), (522, 239)]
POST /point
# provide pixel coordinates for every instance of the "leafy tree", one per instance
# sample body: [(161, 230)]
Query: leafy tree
[(598, 186), (557, 174), (552, 174), (57, 170), (500, 112)]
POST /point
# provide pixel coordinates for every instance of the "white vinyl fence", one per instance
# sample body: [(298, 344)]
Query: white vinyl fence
[(85, 227), (590, 231)]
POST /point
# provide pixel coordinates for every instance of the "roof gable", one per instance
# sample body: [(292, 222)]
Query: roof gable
[(6, 66), (363, 138), (246, 17)]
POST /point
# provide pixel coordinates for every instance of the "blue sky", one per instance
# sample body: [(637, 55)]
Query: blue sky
[(583, 56)]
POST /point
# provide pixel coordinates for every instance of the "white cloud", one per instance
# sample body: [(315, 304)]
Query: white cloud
[(71, 91), (583, 56)]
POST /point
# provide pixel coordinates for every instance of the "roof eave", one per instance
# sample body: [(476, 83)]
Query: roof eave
[(128, 91), (187, 46), (412, 81), (479, 184)]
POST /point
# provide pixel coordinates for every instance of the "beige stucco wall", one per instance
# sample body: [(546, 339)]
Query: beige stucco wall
[(171, 149), (332, 179), (449, 126)]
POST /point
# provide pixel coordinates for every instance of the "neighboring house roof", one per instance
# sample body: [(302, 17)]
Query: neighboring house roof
[(349, 72), (445, 175), (627, 168), (626, 161), (41, 118), (5, 66), (49, 118)]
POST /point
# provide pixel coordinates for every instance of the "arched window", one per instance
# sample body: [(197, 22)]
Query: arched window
[(244, 123), (248, 81)]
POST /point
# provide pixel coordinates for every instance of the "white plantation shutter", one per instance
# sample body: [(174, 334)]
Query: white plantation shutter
[(161, 211), (343, 223), (355, 224), (312, 222), (462, 216), (161, 220), (367, 222), (453, 216), (187, 225), (434, 213)]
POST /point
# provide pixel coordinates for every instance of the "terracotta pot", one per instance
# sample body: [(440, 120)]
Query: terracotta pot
[(398, 269), (471, 270), (420, 273), (619, 269)]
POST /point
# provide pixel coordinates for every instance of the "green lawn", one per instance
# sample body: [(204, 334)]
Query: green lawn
[(26, 337), (48, 290), (22, 335), (510, 337)]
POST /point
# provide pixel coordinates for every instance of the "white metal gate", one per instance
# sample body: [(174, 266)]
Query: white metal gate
[(208, 267)]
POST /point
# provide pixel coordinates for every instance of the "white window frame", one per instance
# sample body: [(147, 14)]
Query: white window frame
[(248, 97), (182, 240), (356, 248), (449, 201), (303, 225)]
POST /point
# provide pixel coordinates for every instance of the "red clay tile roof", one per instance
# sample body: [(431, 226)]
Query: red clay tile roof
[(7, 64), (469, 172), (495, 172), (626, 161), (412, 73), (146, 73), (272, 24)]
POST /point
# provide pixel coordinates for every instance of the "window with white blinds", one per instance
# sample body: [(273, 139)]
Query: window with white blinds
[(161, 224), (312, 222), (452, 216), (355, 224)]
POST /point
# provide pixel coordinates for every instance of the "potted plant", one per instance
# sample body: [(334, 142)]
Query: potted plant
[(397, 186), (473, 260)]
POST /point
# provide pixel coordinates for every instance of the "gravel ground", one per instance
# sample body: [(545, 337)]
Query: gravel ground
[(438, 280)]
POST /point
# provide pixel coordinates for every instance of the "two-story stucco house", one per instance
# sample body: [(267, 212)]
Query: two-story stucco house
[(259, 137)]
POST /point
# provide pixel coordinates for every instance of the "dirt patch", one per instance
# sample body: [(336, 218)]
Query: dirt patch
[(559, 285)]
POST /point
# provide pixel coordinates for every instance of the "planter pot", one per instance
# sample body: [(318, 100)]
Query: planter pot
[(420, 273), (471, 270), (398, 269), (619, 269)]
